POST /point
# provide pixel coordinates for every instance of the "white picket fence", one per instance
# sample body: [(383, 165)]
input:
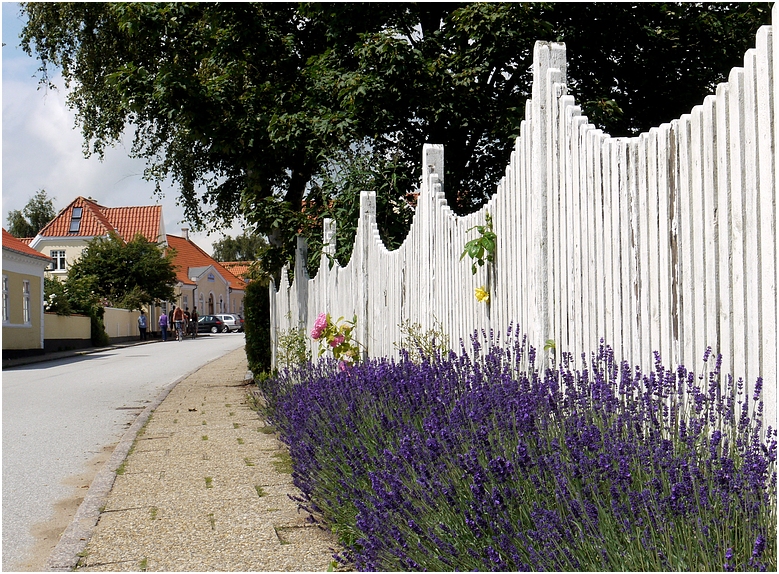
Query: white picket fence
[(663, 242)]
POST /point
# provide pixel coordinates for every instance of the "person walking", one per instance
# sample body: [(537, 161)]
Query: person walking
[(164, 326), (142, 325), (194, 318)]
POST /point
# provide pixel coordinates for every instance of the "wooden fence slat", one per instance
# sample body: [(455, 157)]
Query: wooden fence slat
[(725, 300), (766, 117)]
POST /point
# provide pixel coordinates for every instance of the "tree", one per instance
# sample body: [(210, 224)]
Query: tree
[(127, 275), (246, 105), (244, 247), (33, 217)]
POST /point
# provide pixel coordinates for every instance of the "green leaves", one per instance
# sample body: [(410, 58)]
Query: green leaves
[(482, 248), (236, 103), (38, 212), (127, 275)]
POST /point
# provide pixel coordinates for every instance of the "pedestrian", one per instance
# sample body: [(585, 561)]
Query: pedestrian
[(164, 326), (178, 319), (142, 324), (194, 318), (187, 324)]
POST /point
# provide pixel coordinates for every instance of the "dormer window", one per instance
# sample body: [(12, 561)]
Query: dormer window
[(75, 219)]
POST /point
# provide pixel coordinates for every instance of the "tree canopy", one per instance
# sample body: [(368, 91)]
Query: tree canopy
[(244, 247), (33, 217), (257, 108), (128, 275)]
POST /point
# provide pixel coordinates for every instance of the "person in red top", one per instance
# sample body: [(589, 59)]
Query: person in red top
[(178, 321)]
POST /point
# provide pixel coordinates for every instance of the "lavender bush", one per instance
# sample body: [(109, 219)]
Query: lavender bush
[(480, 461)]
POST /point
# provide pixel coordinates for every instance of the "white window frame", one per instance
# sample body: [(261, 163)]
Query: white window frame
[(6, 301), (58, 262), (26, 302)]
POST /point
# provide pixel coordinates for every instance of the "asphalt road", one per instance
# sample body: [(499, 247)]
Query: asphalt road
[(59, 415)]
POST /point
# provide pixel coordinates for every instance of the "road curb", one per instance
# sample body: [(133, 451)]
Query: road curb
[(65, 556)]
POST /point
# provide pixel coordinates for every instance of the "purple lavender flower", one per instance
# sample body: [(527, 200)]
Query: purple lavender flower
[(477, 461)]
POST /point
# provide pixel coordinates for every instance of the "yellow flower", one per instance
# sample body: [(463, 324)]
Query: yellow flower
[(482, 295)]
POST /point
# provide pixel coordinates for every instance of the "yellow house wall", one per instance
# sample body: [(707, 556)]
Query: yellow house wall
[(73, 249), (187, 297), (17, 334)]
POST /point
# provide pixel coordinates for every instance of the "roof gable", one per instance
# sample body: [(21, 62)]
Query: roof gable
[(97, 220), (190, 257), (12, 243)]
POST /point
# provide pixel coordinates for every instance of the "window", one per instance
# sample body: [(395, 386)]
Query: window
[(75, 219), (185, 302), (201, 305), (26, 302), (57, 260), (6, 311)]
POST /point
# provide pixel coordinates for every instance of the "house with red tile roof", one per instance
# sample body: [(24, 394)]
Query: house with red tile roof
[(64, 238), (23, 324), (203, 283)]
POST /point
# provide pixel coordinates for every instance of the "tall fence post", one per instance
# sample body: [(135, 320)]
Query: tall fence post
[(301, 281), (367, 216)]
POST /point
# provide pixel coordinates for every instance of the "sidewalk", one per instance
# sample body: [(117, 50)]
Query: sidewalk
[(204, 488)]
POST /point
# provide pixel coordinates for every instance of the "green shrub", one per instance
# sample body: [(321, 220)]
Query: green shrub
[(97, 327), (257, 327), (292, 350)]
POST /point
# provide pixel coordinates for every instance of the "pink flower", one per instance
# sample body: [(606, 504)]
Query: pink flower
[(319, 326), (337, 340)]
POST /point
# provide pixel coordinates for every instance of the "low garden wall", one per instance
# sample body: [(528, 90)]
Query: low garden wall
[(65, 333), (121, 324)]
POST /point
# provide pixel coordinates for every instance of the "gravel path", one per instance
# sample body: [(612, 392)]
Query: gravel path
[(206, 489)]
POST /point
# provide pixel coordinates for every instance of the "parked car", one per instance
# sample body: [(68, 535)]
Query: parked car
[(210, 324), (232, 322)]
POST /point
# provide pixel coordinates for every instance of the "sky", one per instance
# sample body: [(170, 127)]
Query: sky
[(42, 148)]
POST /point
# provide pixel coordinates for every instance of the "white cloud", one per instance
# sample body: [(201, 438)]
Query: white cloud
[(42, 149)]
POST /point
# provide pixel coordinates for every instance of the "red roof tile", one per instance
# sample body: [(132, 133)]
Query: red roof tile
[(98, 220), (189, 255), (12, 243), (129, 221), (237, 268)]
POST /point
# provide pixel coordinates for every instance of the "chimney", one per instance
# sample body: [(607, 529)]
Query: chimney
[(185, 233)]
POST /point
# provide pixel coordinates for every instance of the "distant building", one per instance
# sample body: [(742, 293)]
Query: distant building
[(66, 236), (204, 283), (23, 270), (201, 281)]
